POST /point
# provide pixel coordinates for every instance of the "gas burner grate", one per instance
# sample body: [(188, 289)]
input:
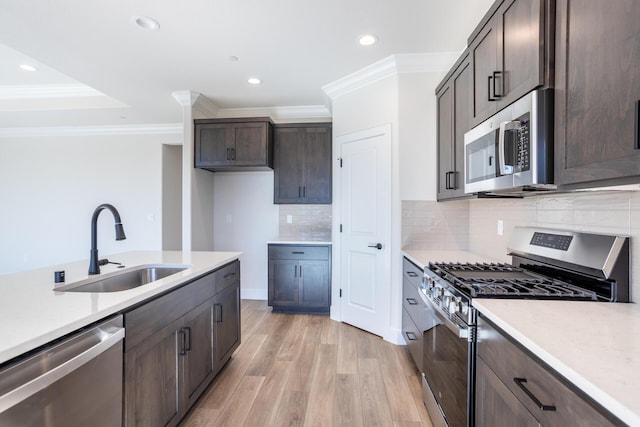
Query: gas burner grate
[(456, 266)]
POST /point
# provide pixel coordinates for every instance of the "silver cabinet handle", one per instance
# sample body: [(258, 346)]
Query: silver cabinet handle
[(32, 387)]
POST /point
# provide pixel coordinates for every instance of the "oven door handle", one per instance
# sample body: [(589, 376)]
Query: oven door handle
[(461, 330), (504, 127)]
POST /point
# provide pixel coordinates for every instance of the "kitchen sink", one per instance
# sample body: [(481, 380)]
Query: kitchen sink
[(123, 280)]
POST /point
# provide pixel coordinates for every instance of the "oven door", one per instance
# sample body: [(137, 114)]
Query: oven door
[(448, 362)]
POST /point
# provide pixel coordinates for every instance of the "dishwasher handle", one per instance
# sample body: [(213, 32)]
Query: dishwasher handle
[(108, 337)]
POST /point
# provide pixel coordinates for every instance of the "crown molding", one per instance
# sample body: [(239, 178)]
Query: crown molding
[(279, 113), (148, 129), (48, 91), (186, 98), (390, 66)]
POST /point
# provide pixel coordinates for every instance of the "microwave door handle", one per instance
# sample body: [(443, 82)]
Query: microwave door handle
[(504, 127)]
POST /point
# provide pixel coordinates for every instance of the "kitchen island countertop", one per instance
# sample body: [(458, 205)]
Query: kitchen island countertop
[(596, 346), (33, 314)]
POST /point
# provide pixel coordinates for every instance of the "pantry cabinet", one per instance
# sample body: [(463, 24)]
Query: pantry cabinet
[(597, 99), (511, 54), (302, 165), (513, 387), (233, 144), (454, 99)]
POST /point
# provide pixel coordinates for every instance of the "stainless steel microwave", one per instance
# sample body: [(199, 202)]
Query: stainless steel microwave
[(512, 151)]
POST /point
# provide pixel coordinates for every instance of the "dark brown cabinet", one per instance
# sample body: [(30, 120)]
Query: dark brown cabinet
[(511, 54), (226, 323), (454, 98), (234, 144), (176, 343), (302, 165), (597, 93), (413, 312), (514, 388), (300, 278)]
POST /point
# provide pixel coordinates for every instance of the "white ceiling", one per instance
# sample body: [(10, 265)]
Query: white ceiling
[(97, 68)]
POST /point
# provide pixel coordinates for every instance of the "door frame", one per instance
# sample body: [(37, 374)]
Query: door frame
[(393, 331)]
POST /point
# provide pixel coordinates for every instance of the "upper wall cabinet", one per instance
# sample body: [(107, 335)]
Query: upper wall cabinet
[(234, 144), (302, 166), (597, 99), (454, 96), (511, 54)]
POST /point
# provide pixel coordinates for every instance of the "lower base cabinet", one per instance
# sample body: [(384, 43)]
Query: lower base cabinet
[(176, 344), (300, 278), (513, 388)]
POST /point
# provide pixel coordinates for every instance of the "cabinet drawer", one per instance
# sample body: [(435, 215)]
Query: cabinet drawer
[(413, 336), (529, 380), (151, 317), (227, 276), (414, 305), (412, 272), (298, 252)]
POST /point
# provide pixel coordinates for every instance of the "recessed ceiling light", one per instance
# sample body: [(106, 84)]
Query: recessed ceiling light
[(146, 23), (368, 39), (233, 58), (254, 81), (27, 67)]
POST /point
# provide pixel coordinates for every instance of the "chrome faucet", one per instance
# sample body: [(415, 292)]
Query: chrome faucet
[(94, 264)]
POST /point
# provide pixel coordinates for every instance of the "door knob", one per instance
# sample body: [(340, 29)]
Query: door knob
[(378, 246)]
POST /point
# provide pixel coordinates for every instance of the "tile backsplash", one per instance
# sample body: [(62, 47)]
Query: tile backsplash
[(431, 225), (308, 222)]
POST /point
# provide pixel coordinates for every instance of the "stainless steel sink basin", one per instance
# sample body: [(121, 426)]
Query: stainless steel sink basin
[(128, 278)]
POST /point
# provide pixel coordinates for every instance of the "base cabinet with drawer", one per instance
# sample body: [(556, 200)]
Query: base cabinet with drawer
[(514, 388), (300, 278), (175, 345), (413, 312)]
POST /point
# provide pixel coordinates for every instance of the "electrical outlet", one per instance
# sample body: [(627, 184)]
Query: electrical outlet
[(500, 227), (289, 219)]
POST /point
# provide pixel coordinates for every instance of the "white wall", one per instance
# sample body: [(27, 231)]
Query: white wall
[(171, 197), (244, 219), (418, 132), (50, 186)]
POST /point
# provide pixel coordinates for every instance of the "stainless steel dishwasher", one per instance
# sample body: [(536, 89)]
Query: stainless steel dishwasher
[(76, 382)]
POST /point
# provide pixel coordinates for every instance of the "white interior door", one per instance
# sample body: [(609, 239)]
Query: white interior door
[(365, 215)]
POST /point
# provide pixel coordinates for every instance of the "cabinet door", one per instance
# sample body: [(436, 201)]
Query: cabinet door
[(445, 140), (521, 42), (197, 349), (314, 284), (152, 383), (454, 102), (250, 144), (288, 164), (283, 282), (597, 92), (317, 166), (484, 58), (226, 324), (212, 145), (495, 404)]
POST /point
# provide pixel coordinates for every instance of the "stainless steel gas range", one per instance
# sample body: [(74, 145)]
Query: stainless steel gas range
[(546, 264)]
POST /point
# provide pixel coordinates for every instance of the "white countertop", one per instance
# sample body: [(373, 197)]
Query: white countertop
[(292, 241), (422, 258), (32, 313), (596, 346)]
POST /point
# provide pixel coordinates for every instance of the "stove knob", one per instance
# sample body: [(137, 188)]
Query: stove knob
[(464, 307), (437, 291), (453, 305)]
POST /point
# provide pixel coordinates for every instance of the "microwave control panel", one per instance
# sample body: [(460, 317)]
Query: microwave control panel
[(524, 145)]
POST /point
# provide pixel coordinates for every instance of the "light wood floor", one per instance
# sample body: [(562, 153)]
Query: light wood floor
[(308, 370)]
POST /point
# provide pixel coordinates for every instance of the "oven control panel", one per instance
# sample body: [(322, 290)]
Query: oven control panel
[(445, 297), (553, 241)]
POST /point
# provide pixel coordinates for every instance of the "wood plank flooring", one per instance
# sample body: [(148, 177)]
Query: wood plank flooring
[(308, 370)]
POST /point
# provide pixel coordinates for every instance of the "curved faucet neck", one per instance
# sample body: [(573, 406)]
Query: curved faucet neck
[(94, 268)]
